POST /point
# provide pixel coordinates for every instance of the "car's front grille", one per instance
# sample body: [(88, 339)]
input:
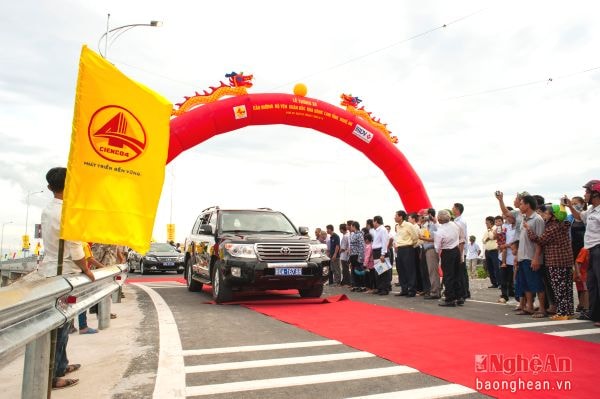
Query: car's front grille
[(167, 259), (283, 252)]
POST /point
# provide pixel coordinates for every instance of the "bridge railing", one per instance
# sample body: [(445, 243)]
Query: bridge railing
[(31, 308)]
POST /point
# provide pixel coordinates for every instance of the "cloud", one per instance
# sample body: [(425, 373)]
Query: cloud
[(538, 137)]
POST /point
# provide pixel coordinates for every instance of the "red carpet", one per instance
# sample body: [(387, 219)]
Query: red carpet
[(446, 347), (272, 299)]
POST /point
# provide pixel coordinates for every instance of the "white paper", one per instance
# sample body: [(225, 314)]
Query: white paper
[(381, 267)]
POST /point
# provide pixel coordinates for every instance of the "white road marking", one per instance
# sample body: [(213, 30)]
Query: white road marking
[(252, 385), (491, 303), (440, 391), (170, 373), (572, 333), (252, 348), (285, 361), (543, 323)]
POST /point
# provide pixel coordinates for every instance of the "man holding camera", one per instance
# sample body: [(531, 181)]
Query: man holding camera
[(428, 229)]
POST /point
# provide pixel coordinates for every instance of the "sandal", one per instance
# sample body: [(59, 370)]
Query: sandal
[(72, 368), (558, 317), (113, 315), (61, 383), (524, 313), (539, 315)]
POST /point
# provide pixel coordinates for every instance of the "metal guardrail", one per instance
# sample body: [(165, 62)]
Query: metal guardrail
[(31, 309), (13, 269)]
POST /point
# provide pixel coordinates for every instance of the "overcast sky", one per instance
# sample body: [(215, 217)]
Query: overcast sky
[(504, 97)]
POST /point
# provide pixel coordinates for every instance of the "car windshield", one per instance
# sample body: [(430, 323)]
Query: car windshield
[(255, 222), (161, 247)]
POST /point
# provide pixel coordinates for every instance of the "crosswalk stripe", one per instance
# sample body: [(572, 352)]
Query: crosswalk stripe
[(544, 323), (270, 383), (276, 362), (572, 333), (252, 348), (439, 391)]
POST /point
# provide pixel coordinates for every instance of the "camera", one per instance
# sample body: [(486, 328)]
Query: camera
[(498, 193), (564, 200)]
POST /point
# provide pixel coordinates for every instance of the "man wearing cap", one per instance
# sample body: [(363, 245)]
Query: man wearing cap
[(591, 241)]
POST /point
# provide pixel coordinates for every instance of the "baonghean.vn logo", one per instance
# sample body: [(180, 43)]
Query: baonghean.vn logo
[(116, 134)]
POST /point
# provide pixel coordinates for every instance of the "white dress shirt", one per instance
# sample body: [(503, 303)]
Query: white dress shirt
[(380, 240), (446, 236), (73, 250)]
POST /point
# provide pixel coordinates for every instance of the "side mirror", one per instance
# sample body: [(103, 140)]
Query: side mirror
[(206, 229), (303, 230)]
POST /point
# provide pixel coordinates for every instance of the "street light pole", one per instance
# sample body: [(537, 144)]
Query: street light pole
[(114, 33), (2, 241), (27, 213)]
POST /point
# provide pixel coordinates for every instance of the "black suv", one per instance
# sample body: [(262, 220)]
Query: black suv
[(256, 249)]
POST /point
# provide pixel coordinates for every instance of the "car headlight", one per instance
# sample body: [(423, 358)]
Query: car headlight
[(152, 258), (240, 250), (318, 250), (180, 258)]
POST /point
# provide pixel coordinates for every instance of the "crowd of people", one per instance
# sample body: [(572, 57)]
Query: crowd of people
[(532, 250), (538, 249)]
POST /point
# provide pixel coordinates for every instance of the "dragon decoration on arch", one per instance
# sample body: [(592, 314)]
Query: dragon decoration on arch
[(351, 104), (238, 84)]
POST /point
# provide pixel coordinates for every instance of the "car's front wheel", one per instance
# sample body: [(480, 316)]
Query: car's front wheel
[(131, 266), (192, 284), (313, 292), (221, 291), (142, 269)]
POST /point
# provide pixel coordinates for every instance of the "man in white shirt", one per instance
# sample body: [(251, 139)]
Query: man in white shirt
[(73, 262), (446, 242), (458, 209), (473, 251), (345, 254), (379, 245)]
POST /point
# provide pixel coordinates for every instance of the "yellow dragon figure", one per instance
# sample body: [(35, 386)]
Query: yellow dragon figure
[(238, 84), (351, 104)]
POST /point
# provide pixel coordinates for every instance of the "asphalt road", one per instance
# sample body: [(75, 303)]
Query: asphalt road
[(212, 341)]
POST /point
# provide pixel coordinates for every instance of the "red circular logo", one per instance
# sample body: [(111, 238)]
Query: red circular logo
[(116, 134)]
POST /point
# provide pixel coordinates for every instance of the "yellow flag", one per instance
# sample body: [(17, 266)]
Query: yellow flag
[(117, 160)]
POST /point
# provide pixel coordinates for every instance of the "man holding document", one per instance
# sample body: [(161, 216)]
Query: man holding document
[(380, 244)]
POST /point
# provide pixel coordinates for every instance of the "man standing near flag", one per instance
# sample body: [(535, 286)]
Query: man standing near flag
[(73, 262)]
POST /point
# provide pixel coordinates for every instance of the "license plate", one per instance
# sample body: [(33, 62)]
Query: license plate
[(169, 263), (288, 271)]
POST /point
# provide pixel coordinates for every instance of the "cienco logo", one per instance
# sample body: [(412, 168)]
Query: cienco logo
[(116, 134)]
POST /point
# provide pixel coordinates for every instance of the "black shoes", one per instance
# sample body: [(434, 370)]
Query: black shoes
[(382, 293), (460, 302), (450, 304), (493, 286), (402, 294)]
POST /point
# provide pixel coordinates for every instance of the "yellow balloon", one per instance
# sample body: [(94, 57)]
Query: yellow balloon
[(300, 89)]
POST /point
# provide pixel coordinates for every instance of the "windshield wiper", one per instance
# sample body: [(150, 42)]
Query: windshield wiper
[(239, 231), (275, 231)]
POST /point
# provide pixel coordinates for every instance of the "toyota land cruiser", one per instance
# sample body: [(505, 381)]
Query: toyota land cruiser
[(255, 249)]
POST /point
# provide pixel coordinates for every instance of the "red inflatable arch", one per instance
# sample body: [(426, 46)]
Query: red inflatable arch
[(206, 121)]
